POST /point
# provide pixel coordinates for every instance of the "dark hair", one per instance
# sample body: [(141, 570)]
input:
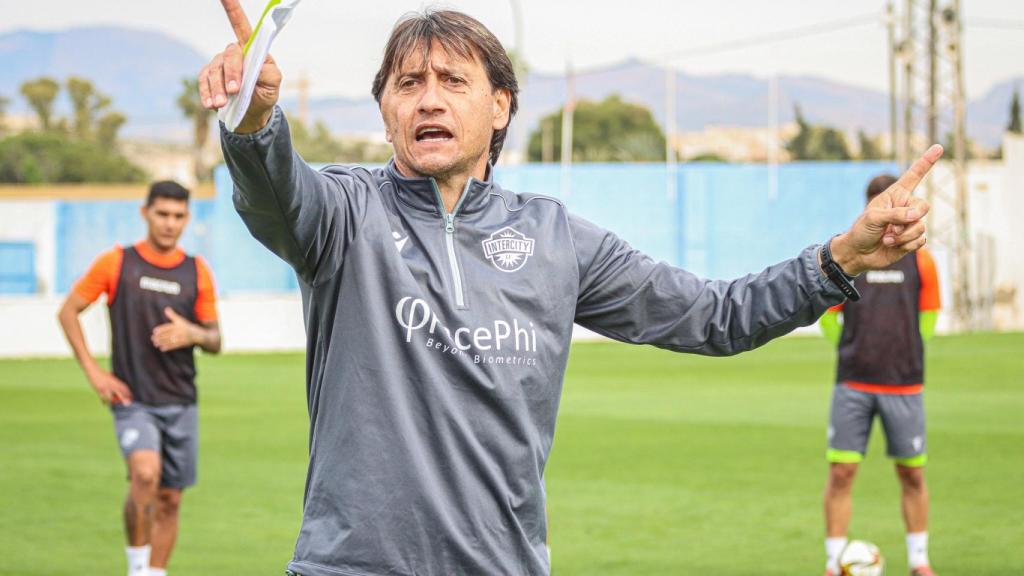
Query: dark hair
[(166, 189), (879, 184), (461, 35)]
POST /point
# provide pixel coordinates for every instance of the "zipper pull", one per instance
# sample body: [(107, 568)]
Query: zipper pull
[(449, 223)]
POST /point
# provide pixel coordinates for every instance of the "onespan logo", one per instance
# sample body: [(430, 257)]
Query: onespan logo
[(415, 315)]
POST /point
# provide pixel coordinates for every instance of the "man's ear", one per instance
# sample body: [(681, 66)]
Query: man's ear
[(502, 103)]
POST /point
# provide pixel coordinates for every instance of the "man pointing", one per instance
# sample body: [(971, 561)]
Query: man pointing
[(439, 306)]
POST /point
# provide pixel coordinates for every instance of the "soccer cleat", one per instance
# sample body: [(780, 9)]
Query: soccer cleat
[(922, 571)]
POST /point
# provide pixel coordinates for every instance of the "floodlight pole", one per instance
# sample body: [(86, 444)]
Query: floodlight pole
[(773, 138), (933, 75), (890, 25), (670, 131), (520, 70), (517, 22), (567, 113)]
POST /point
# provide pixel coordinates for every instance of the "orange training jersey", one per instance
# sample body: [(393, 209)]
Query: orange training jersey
[(140, 285), (881, 348), (105, 271)]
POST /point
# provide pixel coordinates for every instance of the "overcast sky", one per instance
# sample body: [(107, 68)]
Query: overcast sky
[(338, 43)]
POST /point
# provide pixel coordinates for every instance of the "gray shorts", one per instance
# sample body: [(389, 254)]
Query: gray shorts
[(853, 413), (172, 431)]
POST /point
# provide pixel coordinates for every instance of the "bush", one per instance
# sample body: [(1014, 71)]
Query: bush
[(47, 157)]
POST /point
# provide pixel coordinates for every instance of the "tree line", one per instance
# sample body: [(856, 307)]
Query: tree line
[(82, 146), (614, 130), (79, 147)]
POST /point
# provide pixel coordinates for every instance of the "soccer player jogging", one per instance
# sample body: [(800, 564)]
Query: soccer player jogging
[(439, 306), (881, 372), (162, 305)]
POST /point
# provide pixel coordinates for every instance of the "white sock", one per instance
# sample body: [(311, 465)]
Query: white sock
[(157, 571), (138, 560), (833, 548), (917, 549)]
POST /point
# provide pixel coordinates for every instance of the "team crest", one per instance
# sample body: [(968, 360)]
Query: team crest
[(508, 250)]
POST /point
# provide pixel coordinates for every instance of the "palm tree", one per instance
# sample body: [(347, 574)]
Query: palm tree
[(193, 109), (3, 111), (40, 94)]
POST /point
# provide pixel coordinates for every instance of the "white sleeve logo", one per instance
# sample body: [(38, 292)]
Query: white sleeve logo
[(399, 241), (129, 437)]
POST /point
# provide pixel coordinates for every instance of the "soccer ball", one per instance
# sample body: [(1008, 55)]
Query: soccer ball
[(861, 558)]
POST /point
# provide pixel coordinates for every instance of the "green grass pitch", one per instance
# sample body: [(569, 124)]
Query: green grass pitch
[(663, 464)]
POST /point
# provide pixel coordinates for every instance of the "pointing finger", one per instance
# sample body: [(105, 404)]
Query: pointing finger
[(912, 177), (237, 18)]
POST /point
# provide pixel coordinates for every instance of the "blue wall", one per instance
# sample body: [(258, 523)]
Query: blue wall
[(722, 221), (17, 268), (239, 262), (86, 229)]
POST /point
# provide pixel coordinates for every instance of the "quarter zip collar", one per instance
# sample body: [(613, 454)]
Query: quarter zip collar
[(421, 194)]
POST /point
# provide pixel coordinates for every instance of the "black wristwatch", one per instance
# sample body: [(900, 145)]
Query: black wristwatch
[(836, 274)]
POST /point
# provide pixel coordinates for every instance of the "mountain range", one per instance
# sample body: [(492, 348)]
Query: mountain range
[(142, 70)]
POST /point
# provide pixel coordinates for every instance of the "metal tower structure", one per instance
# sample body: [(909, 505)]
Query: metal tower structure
[(929, 52)]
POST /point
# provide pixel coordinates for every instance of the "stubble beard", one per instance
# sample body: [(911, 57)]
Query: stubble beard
[(453, 169)]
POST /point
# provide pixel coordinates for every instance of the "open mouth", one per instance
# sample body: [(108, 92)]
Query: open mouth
[(433, 134)]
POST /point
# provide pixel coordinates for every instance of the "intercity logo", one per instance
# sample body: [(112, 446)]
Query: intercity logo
[(508, 249)]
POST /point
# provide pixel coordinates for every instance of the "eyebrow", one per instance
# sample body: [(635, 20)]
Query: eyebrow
[(440, 70), (449, 70)]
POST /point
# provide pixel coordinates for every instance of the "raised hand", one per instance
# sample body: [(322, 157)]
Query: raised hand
[(222, 77), (891, 226)]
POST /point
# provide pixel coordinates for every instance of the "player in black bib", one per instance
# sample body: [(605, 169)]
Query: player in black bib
[(881, 372), (162, 305)]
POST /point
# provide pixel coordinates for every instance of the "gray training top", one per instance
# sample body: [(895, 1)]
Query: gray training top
[(437, 344)]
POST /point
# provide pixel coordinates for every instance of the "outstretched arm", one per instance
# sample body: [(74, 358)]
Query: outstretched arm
[(627, 296), (304, 216)]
